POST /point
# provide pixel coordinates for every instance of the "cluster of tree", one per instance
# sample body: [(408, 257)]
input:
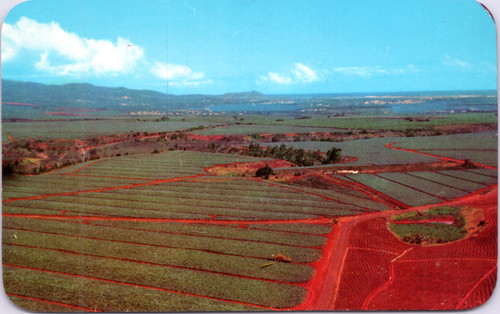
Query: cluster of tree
[(298, 156)]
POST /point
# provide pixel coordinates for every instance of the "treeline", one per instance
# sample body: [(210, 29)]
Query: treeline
[(298, 156)]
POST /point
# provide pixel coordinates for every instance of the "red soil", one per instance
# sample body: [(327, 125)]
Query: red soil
[(422, 278), (365, 270), (205, 137), (430, 285), (247, 167)]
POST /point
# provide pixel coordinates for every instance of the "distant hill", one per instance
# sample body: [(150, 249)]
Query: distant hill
[(244, 94), (89, 96)]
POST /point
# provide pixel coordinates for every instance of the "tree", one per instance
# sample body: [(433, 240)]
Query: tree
[(332, 156), (264, 172)]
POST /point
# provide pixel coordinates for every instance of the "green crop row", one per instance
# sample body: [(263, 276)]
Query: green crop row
[(404, 194), (358, 200), (466, 185), (138, 202), (210, 244), (225, 287), (227, 232), (101, 296), (196, 260), (493, 173), (47, 208), (115, 208), (424, 185), (470, 176), (167, 195)]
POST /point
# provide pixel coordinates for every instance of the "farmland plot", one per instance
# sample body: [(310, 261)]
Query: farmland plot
[(160, 166), (161, 226), (90, 128), (477, 147), (264, 129), (137, 227), (402, 193), (367, 151)]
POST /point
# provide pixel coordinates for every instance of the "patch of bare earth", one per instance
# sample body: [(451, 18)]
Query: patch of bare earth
[(475, 220), (246, 168)]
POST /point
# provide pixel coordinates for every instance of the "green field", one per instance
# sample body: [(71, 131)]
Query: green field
[(367, 151), (375, 123), (81, 129), (101, 228), (265, 129), (261, 124)]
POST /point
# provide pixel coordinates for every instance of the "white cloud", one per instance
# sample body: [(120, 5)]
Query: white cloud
[(455, 62), (65, 53), (276, 78), (368, 71), (304, 74), (179, 75), (298, 74)]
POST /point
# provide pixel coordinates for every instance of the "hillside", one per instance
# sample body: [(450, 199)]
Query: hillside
[(86, 96)]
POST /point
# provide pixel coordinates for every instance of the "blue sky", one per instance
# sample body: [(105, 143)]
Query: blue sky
[(272, 46)]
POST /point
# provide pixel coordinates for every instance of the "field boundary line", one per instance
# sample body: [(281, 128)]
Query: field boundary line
[(139, 285), (461, 303), (51, 302), (85, 166)]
